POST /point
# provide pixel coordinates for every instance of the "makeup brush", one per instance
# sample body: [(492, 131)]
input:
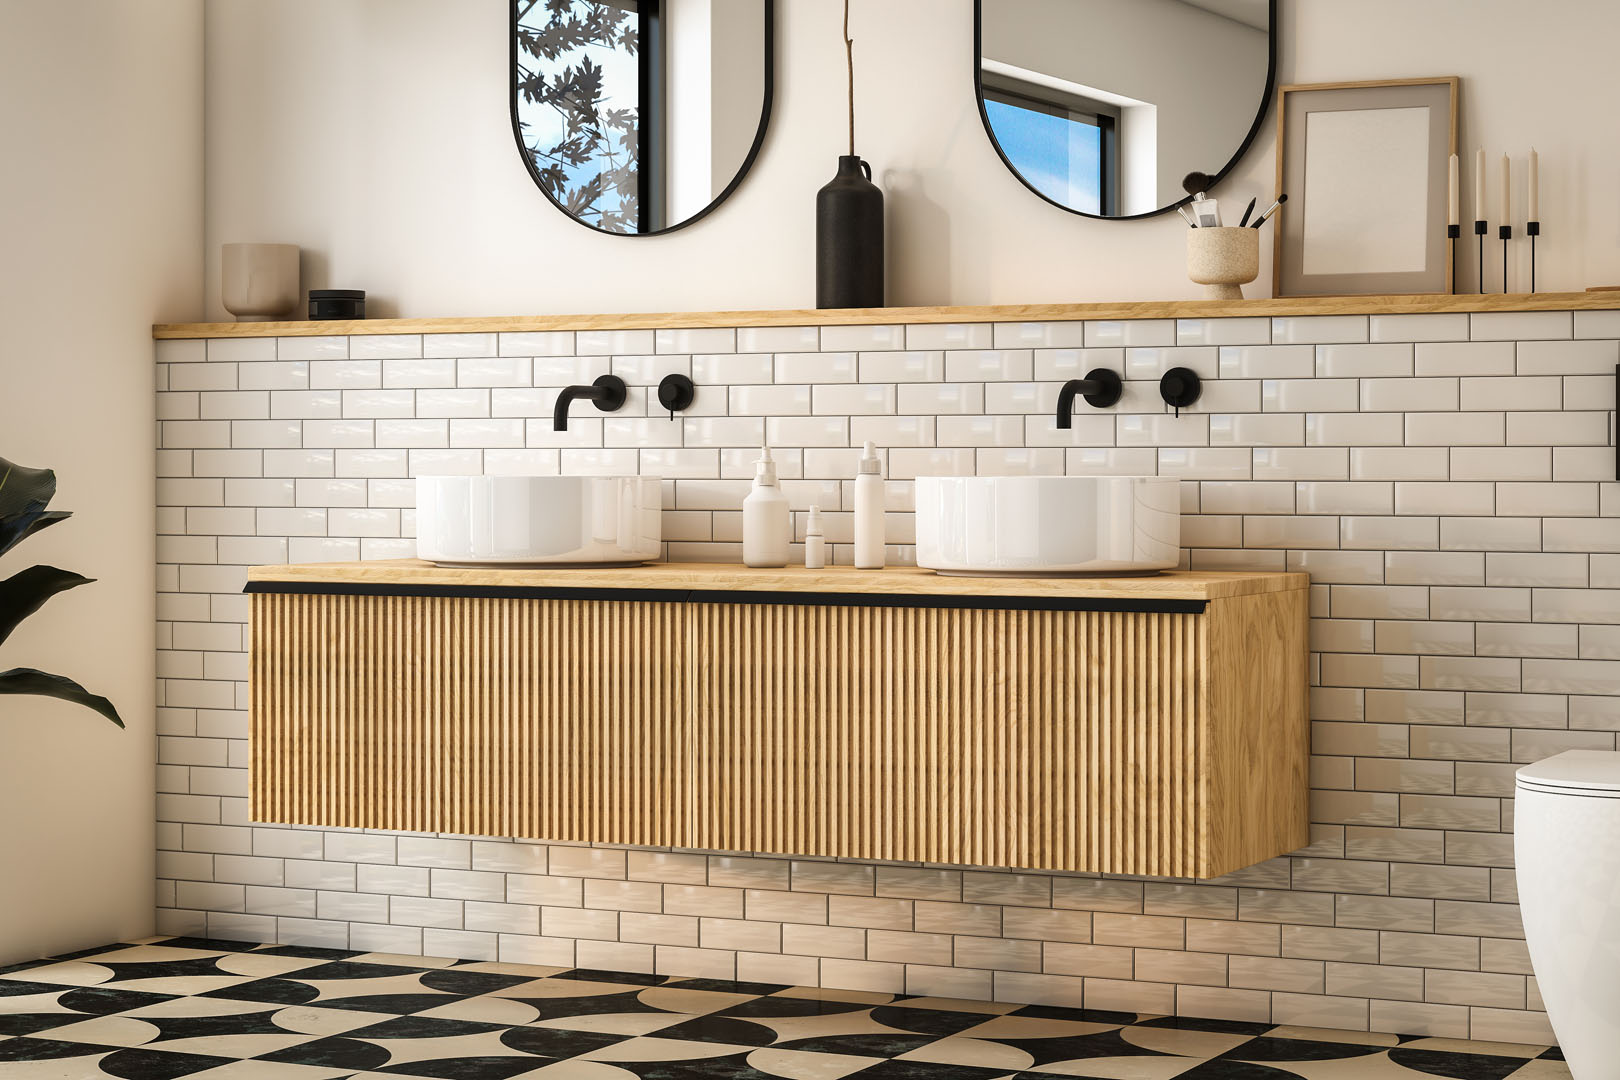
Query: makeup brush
[(1247, 210), (1263, 218), (1197, 183)]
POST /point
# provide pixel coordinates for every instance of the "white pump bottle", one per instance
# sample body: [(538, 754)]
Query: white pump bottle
[(869, 507), (765, 517)]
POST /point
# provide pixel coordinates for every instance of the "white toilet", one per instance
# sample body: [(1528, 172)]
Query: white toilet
[(1566, 847)]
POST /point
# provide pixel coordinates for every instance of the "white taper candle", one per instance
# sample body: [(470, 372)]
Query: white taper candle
[(1535, 186), (1506, 218), (1451, 193), (1479, 185)]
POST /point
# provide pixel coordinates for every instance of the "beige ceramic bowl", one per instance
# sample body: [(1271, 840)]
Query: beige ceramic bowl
[(259, 281)]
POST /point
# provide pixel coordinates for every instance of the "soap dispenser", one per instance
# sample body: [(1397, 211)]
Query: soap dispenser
[(869, 505), (765, 517)]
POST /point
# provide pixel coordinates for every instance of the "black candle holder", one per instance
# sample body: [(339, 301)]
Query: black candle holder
[(1504, 233), (1479, 231), (1532, 229), (1452, 232)]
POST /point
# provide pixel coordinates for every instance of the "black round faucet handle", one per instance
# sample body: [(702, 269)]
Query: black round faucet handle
[(614, 392), (1180, 387), (675, 393), (1108, 390)]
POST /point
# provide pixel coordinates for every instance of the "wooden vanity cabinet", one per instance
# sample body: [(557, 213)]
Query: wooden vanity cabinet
[(1143, 734)]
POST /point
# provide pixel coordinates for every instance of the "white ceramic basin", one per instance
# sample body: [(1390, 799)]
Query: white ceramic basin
[(1030, 525), (537, 520)]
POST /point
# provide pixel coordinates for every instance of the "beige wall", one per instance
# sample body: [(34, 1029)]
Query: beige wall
[(383, 143), (100, 114)]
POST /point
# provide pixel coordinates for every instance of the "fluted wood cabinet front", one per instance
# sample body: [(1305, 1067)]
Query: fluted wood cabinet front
[(1057, 739), (562, 719), (1116, 742), (1139, 741)]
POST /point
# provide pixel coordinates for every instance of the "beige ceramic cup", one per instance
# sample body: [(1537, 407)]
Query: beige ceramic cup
[(259, 281), (1222, 260)]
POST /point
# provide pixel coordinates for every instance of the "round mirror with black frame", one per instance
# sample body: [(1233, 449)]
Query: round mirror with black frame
[(638, 117), (1102, 107)]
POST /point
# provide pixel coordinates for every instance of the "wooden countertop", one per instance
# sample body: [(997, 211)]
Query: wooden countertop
[(1175, 585), (1166, 309)]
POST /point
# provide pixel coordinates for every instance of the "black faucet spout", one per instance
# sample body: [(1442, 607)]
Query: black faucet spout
[(607, 392), (1101, 388)]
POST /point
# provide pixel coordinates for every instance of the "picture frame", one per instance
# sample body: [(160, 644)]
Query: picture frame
[(1366, 168)]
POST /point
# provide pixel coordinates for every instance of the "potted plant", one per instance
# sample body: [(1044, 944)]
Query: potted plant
[(25, 495)]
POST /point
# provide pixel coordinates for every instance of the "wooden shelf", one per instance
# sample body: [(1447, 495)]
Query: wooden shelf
[(1154, 309), (715, 580)]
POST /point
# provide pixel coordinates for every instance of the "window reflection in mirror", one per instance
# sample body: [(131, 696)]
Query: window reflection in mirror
[(1102, 106), (1062, 144), (638, 116)]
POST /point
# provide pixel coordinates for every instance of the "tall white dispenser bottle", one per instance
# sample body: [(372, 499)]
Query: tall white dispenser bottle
[(869, 501), (765, 517)]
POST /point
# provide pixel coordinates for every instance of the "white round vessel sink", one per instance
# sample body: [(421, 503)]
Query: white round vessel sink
[(1032, 525), (538, 520)]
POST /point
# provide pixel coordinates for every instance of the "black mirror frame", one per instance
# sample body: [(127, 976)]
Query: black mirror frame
[(748, 162), (1243, 148)]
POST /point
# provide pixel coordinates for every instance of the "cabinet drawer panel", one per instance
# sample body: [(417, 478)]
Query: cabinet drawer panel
[(553, 719), (1042, 739)]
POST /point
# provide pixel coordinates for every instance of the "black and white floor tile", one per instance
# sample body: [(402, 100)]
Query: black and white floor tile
[(221, 1010)]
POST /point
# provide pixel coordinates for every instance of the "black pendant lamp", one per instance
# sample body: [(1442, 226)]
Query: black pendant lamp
[(849, 222)]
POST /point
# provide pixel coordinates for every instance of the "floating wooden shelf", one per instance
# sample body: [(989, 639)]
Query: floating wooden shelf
[(1130, 725), (1149, 309)]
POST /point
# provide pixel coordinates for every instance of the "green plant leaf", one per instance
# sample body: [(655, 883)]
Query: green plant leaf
[(24, 592), (43, 520), (43, 684), (21, 486), (24, 495)]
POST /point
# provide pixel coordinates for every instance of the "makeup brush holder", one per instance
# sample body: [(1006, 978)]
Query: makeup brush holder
[(1223, 260)]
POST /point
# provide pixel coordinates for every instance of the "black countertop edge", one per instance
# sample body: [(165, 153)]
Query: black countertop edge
[(714, 596)]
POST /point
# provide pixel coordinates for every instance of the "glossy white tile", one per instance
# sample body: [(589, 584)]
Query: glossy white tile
[(312, 348), (1107, 334), (902, 366), (535, 343), (950, 336), (458, 345), (862, 338)]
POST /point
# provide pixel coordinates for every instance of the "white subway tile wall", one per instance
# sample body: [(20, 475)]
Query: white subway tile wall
[(1445, 479)]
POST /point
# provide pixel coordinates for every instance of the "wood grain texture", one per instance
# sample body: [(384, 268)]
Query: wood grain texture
[(1117, 742), (560, 719), (1255, 732), (1152, 309), (1044, 740), (730, 577)]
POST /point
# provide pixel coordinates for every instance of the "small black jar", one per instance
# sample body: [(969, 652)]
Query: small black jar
[(337, 304), (849, 238)]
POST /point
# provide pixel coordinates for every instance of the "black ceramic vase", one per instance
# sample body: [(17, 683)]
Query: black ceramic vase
[(849, 238)]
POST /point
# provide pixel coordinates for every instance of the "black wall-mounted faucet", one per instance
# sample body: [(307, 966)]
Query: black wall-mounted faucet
[(1180, 387), (676, 394), (1101, 388), (608, 392)]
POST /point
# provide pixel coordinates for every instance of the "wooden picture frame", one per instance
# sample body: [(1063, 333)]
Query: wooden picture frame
[(1367, 205)]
